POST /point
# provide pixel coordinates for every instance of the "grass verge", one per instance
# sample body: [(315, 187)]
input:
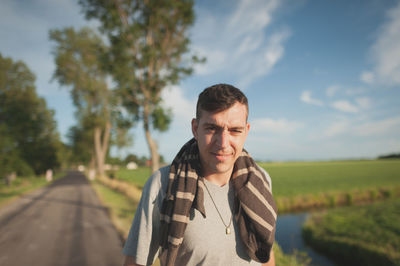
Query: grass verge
[(367, 235), (121, 208), (336, 199), (22, 186)]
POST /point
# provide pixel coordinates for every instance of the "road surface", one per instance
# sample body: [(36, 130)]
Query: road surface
[(62, 224)]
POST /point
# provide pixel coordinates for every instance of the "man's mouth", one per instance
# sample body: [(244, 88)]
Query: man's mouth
[(221, 156)]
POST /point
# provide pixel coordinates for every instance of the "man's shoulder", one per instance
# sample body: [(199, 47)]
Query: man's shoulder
[(158, 180), (161, 175), (164, 171)]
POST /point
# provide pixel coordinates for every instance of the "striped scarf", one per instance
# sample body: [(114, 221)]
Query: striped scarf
[(255, 211)]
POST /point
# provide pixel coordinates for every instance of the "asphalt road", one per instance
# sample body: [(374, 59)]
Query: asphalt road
[(62, 224)]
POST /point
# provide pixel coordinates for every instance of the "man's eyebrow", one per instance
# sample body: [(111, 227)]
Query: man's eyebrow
[(208, 124)]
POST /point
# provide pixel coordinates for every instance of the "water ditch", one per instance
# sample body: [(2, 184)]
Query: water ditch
[(288, 236)]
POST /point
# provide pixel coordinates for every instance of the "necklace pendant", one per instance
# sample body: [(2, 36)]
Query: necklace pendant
[(228, 231)]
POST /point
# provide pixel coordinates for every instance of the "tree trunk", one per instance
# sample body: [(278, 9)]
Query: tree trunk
[(92, 163), (155, 158), (98, 151), (101, 146)]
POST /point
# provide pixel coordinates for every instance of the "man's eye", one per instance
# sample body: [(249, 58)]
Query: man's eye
[(236, 131)]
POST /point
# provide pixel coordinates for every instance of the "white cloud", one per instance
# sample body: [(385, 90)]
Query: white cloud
[(243, 47), (182, 108), (367, 77), (332, 90), (356, 128), (257, 15), (307, 98), (345, 106), (355, 91), (336, 128), (215, 61), (386, 51), (278, 126), (258, 65), (363, 102), (381, 128)]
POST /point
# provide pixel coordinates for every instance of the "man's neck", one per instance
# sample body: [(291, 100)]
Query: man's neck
[(219, 179)]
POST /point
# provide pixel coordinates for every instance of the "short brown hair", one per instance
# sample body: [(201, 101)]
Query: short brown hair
[(220, 97)]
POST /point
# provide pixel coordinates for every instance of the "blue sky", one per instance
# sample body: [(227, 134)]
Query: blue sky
[(322, 77)]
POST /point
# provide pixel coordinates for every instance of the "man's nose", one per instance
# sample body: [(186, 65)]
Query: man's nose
[(223, 139)]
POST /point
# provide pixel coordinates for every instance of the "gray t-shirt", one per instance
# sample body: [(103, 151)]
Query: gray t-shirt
[(205, 241)]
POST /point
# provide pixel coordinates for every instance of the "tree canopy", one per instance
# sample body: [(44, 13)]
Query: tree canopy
[(81, 58), (29, 140), (148, 51)]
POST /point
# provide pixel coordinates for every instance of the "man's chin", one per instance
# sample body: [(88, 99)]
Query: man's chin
[(223, 167)]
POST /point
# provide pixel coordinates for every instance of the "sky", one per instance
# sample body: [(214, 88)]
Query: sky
[(322, 77)]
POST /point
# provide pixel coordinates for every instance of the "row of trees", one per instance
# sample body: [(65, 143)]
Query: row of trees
[(29, 142), (117, 72)]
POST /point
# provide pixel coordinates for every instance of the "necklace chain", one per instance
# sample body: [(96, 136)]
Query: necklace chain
[(227, 227)]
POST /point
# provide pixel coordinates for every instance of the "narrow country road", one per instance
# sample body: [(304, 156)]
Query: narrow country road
[(62, 224)]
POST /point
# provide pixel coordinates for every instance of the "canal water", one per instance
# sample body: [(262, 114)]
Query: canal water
[(288, 236)]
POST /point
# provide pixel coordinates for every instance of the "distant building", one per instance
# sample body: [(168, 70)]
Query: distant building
[(131, 166)]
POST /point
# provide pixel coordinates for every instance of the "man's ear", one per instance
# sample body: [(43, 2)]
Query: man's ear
[(247, 129), (195, 125)]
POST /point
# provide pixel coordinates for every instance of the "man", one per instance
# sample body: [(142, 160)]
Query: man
[(213, 205)]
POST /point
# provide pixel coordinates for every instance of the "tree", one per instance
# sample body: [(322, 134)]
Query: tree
[(80, 60), (390, 156), (29, 139), (10, 159), (81, 145), (149, 41)]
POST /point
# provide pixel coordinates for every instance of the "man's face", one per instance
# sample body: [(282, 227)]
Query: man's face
[(220, 137)]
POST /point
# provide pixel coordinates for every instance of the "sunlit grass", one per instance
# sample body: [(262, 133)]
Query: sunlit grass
[(302, 178), (301, 186), (122, 208), (137, 177), (290, 179), (367, 235), (21, 186)]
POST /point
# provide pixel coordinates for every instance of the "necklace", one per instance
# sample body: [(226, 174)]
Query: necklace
[(227, 227)]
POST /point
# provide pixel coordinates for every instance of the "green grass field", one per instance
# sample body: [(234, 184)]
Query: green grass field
[(304, 178), (291, 179), (367, 235), (137, 177), (299, 186)]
